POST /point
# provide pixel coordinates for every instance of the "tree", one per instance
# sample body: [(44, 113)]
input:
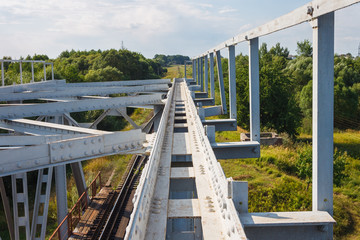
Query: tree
[(278, 108), (104, 74), (304, 48)]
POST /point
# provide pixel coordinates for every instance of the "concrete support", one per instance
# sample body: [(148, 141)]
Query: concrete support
[(254, 88), (221, 82), (323, 114), (232, 82), (206, 75), (212, 81)]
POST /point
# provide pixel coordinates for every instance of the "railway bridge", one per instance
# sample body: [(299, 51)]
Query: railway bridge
[(176, 186)]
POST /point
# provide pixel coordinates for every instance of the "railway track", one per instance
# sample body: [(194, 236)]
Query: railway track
[(113, 219)]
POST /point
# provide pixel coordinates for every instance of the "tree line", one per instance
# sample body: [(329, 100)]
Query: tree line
[(286, 89)]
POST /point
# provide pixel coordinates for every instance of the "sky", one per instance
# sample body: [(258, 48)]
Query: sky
[(153, 26)]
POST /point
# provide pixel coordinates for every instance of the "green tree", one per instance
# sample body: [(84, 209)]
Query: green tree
[(304, 48)]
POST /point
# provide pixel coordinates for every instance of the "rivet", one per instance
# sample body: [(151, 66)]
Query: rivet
[(53, 147), (37, 162), (92, 141), (54, 159), (18, 165), (85, 142), (62, 146)]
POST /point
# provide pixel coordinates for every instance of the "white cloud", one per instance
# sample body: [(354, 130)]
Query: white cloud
[(227, 10)]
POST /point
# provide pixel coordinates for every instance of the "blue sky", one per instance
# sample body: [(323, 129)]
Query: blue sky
[(150, 27)]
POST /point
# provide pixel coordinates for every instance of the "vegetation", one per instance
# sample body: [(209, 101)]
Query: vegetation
[(168, 60)]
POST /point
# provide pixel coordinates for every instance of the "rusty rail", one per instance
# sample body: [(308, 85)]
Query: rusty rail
[(74, 215)]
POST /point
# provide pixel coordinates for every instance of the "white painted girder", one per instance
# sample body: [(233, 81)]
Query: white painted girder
[(76, 149), (66, 91), (57, 108)]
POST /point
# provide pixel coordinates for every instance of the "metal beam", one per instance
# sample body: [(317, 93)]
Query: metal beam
[(202, 74), (222, 124), (198, 72), (206, 76), (254, 88), (57, 108), (45, 128), (212, 80), (68, 151), (234, 150), (61, 199), (300, 15), (323, 113), (232, 82), (7, 209), (221, 82), (67, 91)]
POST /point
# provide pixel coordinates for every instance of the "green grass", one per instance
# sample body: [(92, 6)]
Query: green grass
[(275, 185)]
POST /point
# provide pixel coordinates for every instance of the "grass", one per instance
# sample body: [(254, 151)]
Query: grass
[(275, 185)]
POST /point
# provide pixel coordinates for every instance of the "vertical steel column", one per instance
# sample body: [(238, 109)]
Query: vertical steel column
[(44, 71), (79, 177), (232, 82), (52, 71), (212, 80), (198, 72), (21, 77), (32, 71), (61, 198), (206, 76), (185, 70), (201, 75), (221, 82), (41, 204), (254, 89), (7, 209), (20, 198), (61, 191), (323, 113), (2, 73), (194, 69)]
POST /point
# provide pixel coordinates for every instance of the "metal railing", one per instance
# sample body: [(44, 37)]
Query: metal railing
[(21, 69), (74, 215)]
